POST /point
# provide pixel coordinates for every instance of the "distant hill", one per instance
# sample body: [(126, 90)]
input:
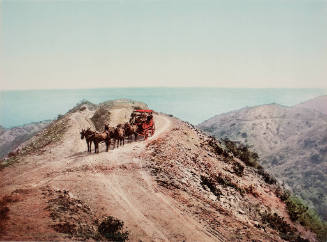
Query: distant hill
[(318, 104), (10, 139), (291, 141)]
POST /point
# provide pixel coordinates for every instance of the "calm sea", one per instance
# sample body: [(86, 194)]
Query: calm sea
[(190, 104)]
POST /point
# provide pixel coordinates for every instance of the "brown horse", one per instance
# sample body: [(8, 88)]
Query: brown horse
[(130, 130), (101, 137), (88, 134), (111, 131), (119, 135)]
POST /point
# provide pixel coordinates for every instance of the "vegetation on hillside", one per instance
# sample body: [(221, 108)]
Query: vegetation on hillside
[(301, 213), (296, 208)]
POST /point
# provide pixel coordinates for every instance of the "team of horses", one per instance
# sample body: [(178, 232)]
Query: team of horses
[(116, 135)]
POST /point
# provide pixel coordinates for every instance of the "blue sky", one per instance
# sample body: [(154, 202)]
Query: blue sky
[(234, 43)]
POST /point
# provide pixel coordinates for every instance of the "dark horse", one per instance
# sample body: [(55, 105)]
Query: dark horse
[(88, 134), (130, 130), (111, 131), (101, 137)]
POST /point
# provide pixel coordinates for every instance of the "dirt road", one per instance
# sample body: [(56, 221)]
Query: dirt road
[(111, 183)]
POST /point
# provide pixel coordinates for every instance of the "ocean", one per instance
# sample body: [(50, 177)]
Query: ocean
[(190, 104)]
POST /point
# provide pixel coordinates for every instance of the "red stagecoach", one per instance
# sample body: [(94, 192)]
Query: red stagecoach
[(143, 118)]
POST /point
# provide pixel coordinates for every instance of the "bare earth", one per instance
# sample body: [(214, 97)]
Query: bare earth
[(111, 183)]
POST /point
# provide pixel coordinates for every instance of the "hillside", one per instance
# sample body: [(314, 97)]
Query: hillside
[(10, 139), (179, 185), (319, 104), (291, 141)]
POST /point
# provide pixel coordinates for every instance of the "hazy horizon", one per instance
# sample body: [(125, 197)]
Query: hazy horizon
[(167, 87), (190, 104), (163, 43)]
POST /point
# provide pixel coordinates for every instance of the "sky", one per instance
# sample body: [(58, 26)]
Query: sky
[(49, 44)]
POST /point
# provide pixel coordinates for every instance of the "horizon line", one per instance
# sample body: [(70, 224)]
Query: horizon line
[(158, 87)]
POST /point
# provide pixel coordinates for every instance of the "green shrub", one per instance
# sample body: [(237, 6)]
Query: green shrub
[(217, 148), (243, 152), (307, 217), (277, 223)]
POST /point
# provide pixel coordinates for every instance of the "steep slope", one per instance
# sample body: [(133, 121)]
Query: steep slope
[(176, 186), (319, 104), (10, 139), (291, 141)]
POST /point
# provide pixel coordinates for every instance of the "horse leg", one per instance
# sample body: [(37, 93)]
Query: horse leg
[(95, 147), (107, 145), (90, 146)]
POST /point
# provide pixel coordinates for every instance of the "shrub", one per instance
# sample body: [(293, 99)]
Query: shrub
[(295, 208), (269, 179), (217, 148), (282, 193), (112, 229), (299, 212), (243, 152), (238, 169), (227, 182), (276, 222), (205, 181)]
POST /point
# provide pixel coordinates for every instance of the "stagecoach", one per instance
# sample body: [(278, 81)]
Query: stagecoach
[(143, 118)]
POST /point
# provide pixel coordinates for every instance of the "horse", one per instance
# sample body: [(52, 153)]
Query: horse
[(100, 137), (130, 130), (88, 137), (119, 135), (111, 131)]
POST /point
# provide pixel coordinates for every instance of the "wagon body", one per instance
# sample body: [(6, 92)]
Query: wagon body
[(143, 118)]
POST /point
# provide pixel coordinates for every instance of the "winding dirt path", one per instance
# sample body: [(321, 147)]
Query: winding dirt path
[(111, 183)]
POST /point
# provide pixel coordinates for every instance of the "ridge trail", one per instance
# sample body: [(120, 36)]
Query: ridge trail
[(114, 183)]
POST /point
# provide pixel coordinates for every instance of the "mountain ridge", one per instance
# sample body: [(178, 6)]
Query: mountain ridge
[(178, 185)]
